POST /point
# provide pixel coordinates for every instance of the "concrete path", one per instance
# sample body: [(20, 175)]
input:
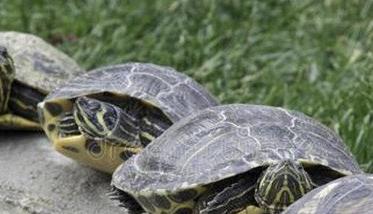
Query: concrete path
[(36, 179)]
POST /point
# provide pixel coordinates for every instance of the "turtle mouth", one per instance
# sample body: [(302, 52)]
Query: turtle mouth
[(57, 119)]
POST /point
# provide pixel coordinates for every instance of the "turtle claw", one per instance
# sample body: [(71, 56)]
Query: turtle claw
[(125, 200)]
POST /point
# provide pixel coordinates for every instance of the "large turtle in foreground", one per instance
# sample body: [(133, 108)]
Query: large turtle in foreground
[(348, 195), (231, 159), (103, 117), (29, 69)]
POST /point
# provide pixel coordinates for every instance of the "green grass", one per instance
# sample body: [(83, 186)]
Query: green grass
[(312, 56)]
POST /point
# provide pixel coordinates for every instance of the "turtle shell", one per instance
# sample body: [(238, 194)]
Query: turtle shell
[(176, 94), (38, 64), (347, 195), (223, 141)]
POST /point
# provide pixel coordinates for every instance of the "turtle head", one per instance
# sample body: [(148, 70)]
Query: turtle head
[(281, 184), (7, 73), (94, 118), (101, 120)]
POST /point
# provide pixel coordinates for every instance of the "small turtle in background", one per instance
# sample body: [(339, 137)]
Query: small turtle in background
[(103, 117), (232, 159), (29, 69), (348, 195)]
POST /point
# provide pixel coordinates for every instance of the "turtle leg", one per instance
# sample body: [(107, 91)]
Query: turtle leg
[(11, 121), (22, 108), (24, 100), (7, 74), (234, 195), (104, 121)]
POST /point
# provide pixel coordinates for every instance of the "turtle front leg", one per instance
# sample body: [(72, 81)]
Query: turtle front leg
[(104, 121), (7, 74)]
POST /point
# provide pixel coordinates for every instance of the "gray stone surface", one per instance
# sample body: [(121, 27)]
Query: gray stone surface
[(36, 179)]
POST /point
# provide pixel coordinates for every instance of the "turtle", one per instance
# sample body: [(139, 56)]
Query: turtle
[(103, 117), (29, 69), (348, 195), (234, 158)]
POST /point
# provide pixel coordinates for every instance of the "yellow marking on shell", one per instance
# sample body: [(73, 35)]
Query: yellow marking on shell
[(174, 205), (11, 121), (252, 210)]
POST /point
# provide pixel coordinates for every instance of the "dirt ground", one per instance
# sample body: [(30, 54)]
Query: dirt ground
[(36, 179)]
